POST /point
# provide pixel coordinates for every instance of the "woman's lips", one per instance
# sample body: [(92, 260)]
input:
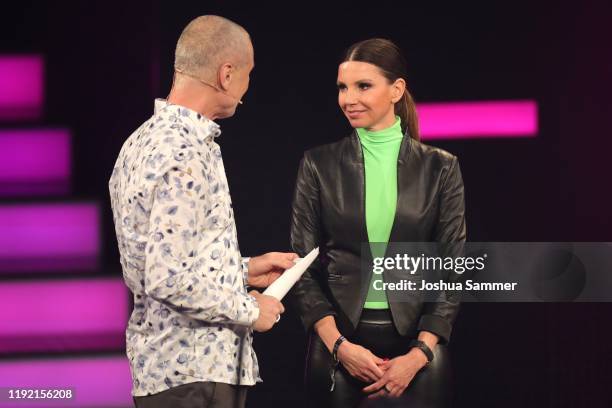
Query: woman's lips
[(354, 114)]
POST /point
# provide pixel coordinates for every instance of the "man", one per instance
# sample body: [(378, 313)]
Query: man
[(189, 339)]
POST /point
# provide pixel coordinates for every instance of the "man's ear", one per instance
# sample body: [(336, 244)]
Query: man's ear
[(399, 87), (225, 75)]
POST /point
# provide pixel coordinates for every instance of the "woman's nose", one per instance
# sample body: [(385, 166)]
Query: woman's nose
[(350, 97)]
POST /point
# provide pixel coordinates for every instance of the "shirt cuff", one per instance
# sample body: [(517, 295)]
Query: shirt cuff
[(253, 309), (245, 270)]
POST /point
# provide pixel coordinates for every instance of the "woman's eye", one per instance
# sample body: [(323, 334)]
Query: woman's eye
[(341, 87), (363, 87)]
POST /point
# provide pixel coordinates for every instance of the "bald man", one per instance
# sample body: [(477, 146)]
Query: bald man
[(189, 338)]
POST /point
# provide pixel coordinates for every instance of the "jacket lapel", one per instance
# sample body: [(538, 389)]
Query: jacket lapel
[(356, 161), (403, 175)]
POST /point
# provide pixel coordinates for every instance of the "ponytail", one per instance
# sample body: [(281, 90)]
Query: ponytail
[(406, 110)]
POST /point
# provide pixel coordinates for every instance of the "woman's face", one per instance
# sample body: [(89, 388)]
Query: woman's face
[(366, 97)]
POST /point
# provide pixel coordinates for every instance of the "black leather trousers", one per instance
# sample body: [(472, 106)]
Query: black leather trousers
[(431, 387)]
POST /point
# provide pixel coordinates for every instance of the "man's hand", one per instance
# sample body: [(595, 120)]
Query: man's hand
[(269, 310), (266, 268)]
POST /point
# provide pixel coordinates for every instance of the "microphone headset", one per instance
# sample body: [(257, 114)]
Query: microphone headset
[(204, 83)]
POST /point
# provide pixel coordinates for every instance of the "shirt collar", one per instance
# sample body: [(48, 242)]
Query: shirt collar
[(209, 128)]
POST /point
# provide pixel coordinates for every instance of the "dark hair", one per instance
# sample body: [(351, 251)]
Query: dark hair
[(389, 59)]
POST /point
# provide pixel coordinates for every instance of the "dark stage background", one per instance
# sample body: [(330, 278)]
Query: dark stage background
[(106, 62)]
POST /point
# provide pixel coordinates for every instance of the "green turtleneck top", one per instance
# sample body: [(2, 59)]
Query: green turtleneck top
[(380, 151)]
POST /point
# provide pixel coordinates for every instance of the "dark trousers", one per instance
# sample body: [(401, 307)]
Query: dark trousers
[(430, 388), (196, 395)]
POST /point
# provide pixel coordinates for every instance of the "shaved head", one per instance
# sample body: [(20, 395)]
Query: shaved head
[(210, 41)]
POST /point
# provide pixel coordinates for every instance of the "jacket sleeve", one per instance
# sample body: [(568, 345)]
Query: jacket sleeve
[(438, 317), (311, 302)]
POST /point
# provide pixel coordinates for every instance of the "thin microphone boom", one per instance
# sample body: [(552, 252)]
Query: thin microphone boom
[(207, 84)]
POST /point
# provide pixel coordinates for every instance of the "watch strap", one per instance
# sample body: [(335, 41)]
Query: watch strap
[(424, 348)]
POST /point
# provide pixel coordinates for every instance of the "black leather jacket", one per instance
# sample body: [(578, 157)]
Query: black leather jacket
[(329, 212)]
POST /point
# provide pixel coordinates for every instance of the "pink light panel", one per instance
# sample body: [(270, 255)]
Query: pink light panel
[(63, 315), (49, 236), (21, 87), (95, 381), (467, 120), (34, 162)]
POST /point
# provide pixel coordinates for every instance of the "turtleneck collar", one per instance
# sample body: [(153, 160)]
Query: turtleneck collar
[(388, 135)]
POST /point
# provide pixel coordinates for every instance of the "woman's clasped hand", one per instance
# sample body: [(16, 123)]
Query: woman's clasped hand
[(386, 377)]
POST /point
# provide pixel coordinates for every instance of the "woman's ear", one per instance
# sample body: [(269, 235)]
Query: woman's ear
[(225, 76), (398, 89)]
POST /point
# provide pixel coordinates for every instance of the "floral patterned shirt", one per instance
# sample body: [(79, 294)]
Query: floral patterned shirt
[(180, 257)]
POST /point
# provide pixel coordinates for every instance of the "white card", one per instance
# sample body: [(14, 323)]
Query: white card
[(285, 282)]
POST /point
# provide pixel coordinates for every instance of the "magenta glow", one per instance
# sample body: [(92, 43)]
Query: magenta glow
[(487, 119)]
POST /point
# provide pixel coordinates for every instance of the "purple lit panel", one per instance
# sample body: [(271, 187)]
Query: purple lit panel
[(34, 161), (21, 86), (468, 120), (49, 236), (63, 315), (96, 382)]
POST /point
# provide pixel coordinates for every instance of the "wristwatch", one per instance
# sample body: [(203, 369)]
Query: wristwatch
[(424, 348)]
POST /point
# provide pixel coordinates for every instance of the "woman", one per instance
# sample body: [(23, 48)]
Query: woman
[(380, 184)]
